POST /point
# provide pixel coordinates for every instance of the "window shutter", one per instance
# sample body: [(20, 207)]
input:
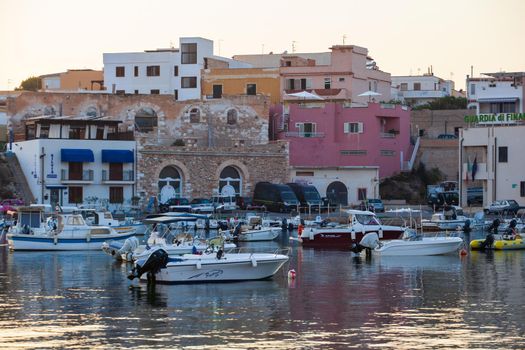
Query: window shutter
[(360, 128), (346, 128)]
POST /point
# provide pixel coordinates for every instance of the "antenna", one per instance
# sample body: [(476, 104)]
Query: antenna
[(171, 44), (344, 38), (293, 46)]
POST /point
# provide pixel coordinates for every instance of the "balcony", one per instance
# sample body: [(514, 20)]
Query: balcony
[(423, 94), (481, 174), (127, 177), (84, 177), (304, 134)]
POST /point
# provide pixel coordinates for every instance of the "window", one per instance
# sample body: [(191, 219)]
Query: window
[(136, 71), (472, 89), (188, 53), (288, 63), (217, 91), (153, 71), (503, 154), (304, 173), (120, 92), (417, 86), (116, 172), (155, 91), (353, 128), (120, 71), (75, 171), (195, 115), (327, 83), (341, 79), (176, 94), (505, 107), (387, 153), (136, 92), (290, 84), (230, 182), (404, 87), (176, 71), (44, 131), (188, 82), (231, 117), (116, 195), (361, 194), (77, 132), (75, 194), (306, 129), (251, 89), (145, 120), (522, 188), (353, 152)]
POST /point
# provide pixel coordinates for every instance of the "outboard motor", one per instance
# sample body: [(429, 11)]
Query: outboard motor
[(369, 241), (223, 225), (489, 239), (284, 224), (237, 230), (150, 264)]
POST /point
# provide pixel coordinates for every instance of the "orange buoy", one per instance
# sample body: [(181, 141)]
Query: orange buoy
[(291, 274), (463, 252), (300, 230)]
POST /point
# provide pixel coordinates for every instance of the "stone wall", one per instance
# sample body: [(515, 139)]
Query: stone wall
[(437, 122), (441, 154), (200, 169)]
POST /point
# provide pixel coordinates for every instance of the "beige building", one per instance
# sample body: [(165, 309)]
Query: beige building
[(74, 80), (491, 157)]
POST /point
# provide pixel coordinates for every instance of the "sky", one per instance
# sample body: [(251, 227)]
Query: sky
[(405, 37)]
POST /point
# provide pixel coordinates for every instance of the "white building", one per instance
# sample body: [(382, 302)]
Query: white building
[(496, 147), (77, 160), (420, 89), (173, 71), (496, 93)]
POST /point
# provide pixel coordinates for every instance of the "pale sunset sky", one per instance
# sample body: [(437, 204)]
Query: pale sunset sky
[(405, 37)]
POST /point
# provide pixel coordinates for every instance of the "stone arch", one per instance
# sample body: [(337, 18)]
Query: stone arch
[(91, 111), (241, 169), (195, 115), (131, 111), (163, 169), (337, 193)]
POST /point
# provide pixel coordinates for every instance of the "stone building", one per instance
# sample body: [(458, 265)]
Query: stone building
[(188, 149)]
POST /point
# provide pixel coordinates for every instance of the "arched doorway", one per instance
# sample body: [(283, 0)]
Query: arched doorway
[(170, 184), (230, 182), (337, 193)]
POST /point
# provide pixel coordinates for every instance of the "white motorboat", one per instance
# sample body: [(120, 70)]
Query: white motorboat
[(253, 230), (105, 218), (163, 234), (411, 246), (450, 218), (65, 232), (213, 267)]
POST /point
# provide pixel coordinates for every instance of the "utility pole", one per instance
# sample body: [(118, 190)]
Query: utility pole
[(293, 46)]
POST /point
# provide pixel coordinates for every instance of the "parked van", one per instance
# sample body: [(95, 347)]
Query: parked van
[(275, 197), (307, 195)]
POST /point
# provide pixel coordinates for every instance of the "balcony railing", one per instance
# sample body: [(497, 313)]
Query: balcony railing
[(127, 175), (85, 175), (387, 135), (304, 134)]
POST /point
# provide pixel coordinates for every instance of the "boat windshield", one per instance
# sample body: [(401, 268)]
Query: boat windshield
[(367, 219)]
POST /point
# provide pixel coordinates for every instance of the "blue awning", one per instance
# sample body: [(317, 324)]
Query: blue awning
[(497, 99), (117, 156), (76, 155)]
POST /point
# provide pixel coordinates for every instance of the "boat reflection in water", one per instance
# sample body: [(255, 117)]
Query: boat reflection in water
[(83, 299)]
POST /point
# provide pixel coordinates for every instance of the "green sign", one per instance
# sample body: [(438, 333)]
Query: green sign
[(495, 118)]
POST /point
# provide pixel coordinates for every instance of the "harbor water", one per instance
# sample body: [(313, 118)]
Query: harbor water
[(336, 301)]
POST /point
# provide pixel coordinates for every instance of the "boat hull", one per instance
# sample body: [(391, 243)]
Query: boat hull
[(500, 244), (268, 234), (35, 242), (424, 247), (230, 268), (344, 238)]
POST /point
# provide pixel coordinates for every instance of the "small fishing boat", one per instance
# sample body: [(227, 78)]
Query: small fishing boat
[(218, 266), (412, 245), (33, 231), (165, 232), (105, 218), (253, 230), (450, 218)]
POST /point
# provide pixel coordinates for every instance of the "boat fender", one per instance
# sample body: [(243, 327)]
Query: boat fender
[(55, 240), (291, 274), (380, 233), (199, 265), (254, 262), (311, 234), (352, 235), (88, 237)]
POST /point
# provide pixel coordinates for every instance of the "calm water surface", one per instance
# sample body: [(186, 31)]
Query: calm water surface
[(83, 300)]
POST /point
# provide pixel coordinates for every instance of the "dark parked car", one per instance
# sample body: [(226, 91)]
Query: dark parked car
[(438, 199), (506, 206), (474, 195), (174, 203)]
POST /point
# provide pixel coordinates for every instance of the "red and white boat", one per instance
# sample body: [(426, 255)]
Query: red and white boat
[(345, 236)]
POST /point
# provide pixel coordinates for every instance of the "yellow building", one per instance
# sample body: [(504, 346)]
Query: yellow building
[(218, 82), (74, 80)]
